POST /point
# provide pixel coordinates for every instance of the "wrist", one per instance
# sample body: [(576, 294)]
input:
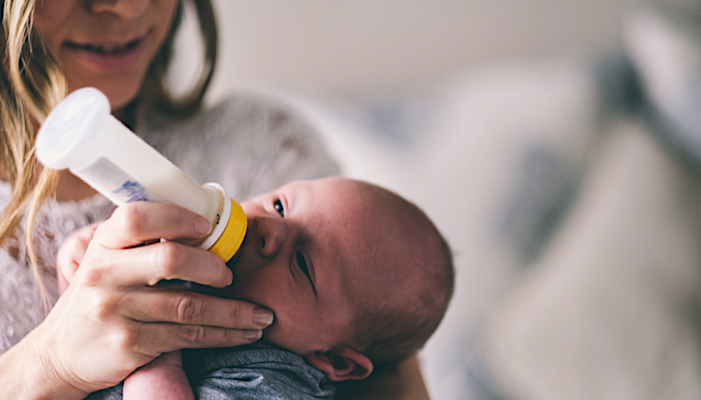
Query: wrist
[(27, 372)]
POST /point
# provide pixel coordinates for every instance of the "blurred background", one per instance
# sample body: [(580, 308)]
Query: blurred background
[(554, 143), (367, 47)]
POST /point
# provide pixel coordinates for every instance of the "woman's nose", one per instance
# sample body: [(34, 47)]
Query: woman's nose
[(127, 9), (271, 235)]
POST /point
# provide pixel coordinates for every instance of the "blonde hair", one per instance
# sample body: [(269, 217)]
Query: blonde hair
[(32, 83)]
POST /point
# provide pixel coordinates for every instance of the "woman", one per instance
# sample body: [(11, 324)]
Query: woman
[(111, 320)]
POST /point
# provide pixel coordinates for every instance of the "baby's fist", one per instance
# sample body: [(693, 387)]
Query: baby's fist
[(71, 253)]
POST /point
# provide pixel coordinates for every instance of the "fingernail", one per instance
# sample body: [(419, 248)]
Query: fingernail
[(202, 226), (230, 278), (252, 335), (263, 317)]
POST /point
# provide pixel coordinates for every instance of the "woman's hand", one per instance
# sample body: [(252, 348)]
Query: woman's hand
[(112, 318)]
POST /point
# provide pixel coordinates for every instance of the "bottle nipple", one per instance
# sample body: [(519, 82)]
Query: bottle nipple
[(231, 263)]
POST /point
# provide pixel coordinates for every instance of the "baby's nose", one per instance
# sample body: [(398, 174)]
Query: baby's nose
[(271, 235)]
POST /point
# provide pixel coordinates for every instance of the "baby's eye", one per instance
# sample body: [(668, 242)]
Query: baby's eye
[(279, 208)]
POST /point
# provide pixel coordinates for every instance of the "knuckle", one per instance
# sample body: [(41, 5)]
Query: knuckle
[(189, 310), (234, 316), (231, 336), (127, 339), (94, 269), (129, 217), (92, 274), (193, 334), (166, 257), (136, 343), (104, 307)]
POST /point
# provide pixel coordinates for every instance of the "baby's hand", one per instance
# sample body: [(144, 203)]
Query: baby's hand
[(71, 253), (162, 378)]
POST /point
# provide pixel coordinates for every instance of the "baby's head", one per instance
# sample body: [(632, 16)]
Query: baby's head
[(355, 274)]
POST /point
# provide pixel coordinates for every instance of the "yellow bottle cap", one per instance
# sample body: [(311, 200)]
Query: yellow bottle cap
[(231, 238)]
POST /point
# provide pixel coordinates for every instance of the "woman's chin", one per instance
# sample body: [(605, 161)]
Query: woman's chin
[(119, 92)]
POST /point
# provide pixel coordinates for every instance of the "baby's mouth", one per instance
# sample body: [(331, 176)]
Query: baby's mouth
[(106, 48), (231, 264)]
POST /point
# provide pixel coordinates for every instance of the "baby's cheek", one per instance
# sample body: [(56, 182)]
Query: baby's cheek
[(295, 337), (275, 334)]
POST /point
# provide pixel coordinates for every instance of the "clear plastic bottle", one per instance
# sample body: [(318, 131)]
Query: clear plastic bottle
[(81, 134)]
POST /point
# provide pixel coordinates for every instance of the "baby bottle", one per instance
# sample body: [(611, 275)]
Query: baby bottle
[(81, 134)]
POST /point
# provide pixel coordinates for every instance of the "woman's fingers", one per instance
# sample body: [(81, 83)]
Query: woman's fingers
[(135, 223), (164, 337), (192, 308), (114, 243), (148, 265)]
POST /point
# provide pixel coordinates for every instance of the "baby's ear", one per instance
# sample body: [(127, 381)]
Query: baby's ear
[(341, 363)]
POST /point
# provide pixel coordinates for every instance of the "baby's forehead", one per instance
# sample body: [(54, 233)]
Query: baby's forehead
[(366, 206), (388, 227), (363, 216), (364, 195)]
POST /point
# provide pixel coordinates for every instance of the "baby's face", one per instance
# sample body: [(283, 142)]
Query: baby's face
[(307, 256)]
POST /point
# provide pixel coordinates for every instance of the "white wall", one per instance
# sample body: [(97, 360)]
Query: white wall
[(362, 46)]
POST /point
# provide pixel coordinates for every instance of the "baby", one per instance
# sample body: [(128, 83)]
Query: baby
[(358, 279)]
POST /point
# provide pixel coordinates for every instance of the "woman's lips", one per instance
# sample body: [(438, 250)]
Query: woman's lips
[(109, 55)]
